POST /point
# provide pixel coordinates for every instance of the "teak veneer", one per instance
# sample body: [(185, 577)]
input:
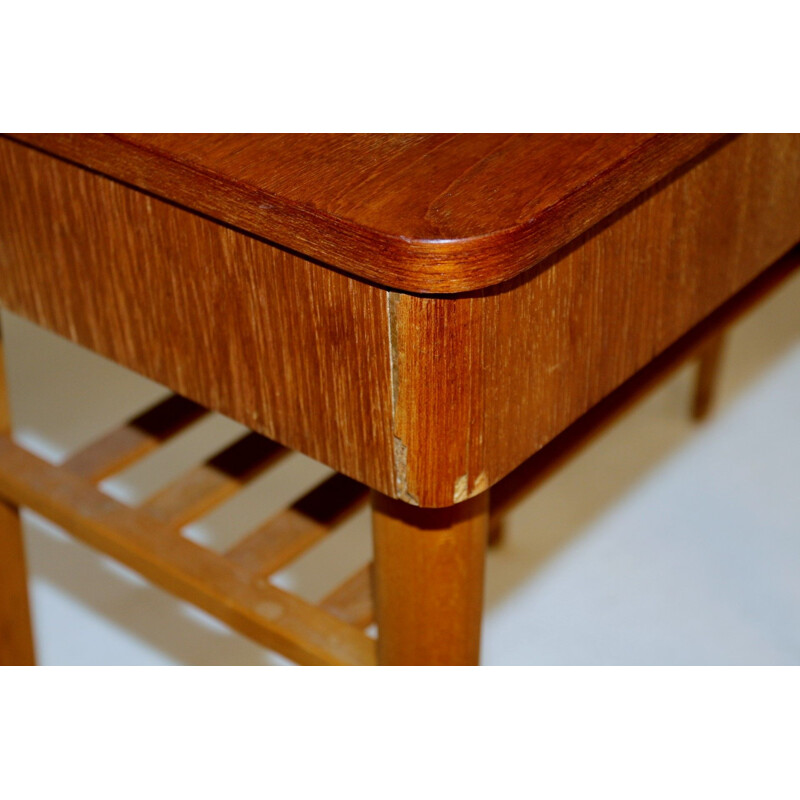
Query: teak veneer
[(423, 313), (416, 212)]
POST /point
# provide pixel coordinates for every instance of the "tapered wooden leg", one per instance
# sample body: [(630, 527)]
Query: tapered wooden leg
[(429, 566), (707, 378), (16, 640)]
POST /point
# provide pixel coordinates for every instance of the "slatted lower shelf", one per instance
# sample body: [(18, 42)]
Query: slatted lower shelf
[(234, 586)]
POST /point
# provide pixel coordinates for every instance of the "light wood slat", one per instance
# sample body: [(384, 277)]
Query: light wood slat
[(206, 486), (284, 537), (264, 613), (352, 601), (141, 435)]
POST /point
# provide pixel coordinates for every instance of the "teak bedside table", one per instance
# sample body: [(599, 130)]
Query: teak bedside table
[(422, 313)]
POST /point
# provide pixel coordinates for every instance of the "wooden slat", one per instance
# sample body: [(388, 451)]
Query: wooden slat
[(284, 537), (137, 438), (264, 613), (206, 486), (352, 601)]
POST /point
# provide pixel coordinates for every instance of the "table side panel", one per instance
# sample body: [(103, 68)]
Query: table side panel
[(293, 350), (522, 361)]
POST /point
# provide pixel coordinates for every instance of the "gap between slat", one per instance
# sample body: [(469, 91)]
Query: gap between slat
[(206, 486), (140, 436), (293, 530)]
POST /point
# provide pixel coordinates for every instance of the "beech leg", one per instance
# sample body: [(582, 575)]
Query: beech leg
[(429, 570)]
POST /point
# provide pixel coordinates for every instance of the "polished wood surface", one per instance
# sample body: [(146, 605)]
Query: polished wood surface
[(416, 212), (592, 263), (296, 352), (428, 573), (483, 380), (426, 398), (429, 562), (695, 342)]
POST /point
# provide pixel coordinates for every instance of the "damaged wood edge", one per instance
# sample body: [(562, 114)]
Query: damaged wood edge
[(403, 337), (461, 490), (399, 448)]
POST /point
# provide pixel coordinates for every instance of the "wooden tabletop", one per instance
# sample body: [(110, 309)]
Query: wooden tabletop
[(437, 213), (427, 397)]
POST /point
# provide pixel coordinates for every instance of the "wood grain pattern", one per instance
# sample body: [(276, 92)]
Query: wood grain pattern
[(441, 539), (483, 380), (293, 350), (519, 483), (429, 398), (416, 212), (428, 572)]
